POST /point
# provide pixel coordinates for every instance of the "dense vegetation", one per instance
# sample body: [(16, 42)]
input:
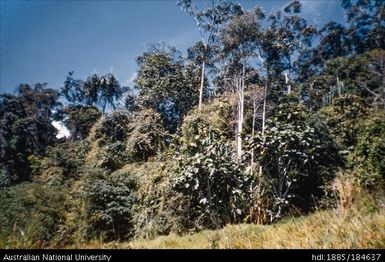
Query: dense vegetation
[(266, 117)]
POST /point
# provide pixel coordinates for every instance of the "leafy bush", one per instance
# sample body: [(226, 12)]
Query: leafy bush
[(154, 212), (343, 118), (30, 214), (368, 155), (210, 186), (218, 114), (120, 138), (296, 155), (80, 119), (67, 156), (102, 206), (146, 135)]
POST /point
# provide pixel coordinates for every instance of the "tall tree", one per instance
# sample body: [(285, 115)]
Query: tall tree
[(366, 23), (73, 90), (110, 91), (91, 89), (209, 20), (238, 41), (25, 128), (163, 86)]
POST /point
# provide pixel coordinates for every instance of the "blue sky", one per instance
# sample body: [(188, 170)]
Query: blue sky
[(41, 41)]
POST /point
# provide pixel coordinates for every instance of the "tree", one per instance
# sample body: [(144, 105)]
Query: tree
[(238, 40), (366, 24), (91, 89), (73, 90), (209, 21), (110, 90), (80, 119), (26, 128), (163, 85), (96, 90)]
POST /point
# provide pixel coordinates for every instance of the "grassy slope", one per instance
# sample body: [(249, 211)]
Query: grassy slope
[(361, 226)]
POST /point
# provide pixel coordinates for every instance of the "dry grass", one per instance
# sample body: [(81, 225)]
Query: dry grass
[(361, 226)]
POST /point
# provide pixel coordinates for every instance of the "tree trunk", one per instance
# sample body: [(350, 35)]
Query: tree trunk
[(287, 83), (264, 114), (241, 97), (253, 129), (202, 84)]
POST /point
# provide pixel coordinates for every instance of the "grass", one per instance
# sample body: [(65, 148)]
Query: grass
[(361, 225)]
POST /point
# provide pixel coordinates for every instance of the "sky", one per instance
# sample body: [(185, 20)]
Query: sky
[(41, 41)]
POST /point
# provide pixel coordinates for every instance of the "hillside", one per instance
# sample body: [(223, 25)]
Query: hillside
[(268, 134), (362, 225)]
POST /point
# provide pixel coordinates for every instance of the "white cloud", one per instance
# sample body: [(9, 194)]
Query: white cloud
[(62, 129)]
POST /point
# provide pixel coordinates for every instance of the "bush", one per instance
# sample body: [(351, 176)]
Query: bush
[(218, 114), (154, 210), (102, 207), (297, 156), (343, 118), (80, 120), (30, 215), (210, 186), (146, 136), (67, 156), (121, 138), (368, 155)]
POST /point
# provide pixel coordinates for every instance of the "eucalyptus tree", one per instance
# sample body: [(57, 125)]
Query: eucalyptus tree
[(333, 41), (238, 45), (292, 36), (209, 20), (366, 23)]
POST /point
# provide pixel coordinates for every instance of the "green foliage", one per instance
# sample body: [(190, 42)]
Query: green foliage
[(67, 156), (120, 138), (107, 136), (25, 128), (80, 119), (35, 165), (343, 118), (367, 157), (123, 175), (102, 206), (218, 115), (296, 155), (360, 75), (165, 85), (209, 184), (154, 210), (146, 136), (30, 214)]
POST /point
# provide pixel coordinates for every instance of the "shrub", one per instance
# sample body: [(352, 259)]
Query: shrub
[(210, 186), (120, 138), (343, 118), (30, 215), (80, 120), (102, 206), (67, 156), (296, 155), (146, 136), (368, 155), (154, 210)]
